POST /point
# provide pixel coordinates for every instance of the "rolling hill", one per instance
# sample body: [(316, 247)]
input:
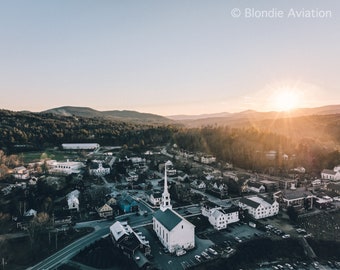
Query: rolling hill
[(129, 116)]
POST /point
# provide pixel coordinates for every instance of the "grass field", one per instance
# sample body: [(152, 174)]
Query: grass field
[(29, 157)]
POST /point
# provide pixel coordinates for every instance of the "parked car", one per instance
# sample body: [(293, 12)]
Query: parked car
[(198, 258), (212, 251)]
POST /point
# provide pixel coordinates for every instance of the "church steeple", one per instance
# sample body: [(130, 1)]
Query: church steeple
[(166, 203)]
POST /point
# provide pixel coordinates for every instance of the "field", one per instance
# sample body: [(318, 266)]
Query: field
[(29, 157)]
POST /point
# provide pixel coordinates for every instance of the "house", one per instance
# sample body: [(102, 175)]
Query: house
[(73, 200), (299, 169), (131, 177), (255, 187), (208, 159), (270, 185), (334, 188), (219, 218), (21, 173), (154, 197), (30, 213), (259, 207), (99, 169), (111, 202), (232, 214), (183, 177), (300, 198), (127, 204), (333, 175), (218, 189), (173, 230), (105, 211), (198, 184), (133, 245)]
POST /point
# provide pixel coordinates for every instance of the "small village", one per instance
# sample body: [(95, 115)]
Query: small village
[(166, 208)]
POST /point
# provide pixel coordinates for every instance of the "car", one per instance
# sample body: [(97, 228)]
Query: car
[(205, 255), (165, 250), (315, 265), (289, 266), (212, 251), (285, 236), (229, 250), (198, 258), (237, 239)]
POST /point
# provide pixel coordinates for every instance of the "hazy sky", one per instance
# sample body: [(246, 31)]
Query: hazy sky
[(168, 57)]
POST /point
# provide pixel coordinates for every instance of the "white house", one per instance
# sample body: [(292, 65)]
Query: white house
[(299, 198), (21, 173), (173, 230), (131, 177), (73, 200), (208, 159), (255, 187), (67, 167), (333, 175), (154, 197), (105, 211), (98, 169), (133, 244), (219, 218), (259, 207), (198, 184)]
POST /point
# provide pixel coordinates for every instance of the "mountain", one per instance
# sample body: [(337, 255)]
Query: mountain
[(130, 116), (248, 117)]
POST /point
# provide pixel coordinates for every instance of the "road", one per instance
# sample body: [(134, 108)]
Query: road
[(101, 229)]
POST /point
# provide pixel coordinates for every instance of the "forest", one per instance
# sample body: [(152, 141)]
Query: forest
[(20, 130), (311, 142)]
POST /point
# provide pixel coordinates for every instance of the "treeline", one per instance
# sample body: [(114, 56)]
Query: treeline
[(248, 148), (35, 130), (244, 147)]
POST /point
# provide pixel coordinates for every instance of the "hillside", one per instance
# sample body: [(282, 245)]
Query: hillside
[(128, 116), (226, 118), (38, 130)]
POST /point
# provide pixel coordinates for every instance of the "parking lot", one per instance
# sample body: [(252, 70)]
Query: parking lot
[(164, 260)]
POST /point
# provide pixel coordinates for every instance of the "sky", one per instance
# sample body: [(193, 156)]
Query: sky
[(169, 57)]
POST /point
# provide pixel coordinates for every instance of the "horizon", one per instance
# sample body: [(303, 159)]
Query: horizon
[(292, 111), (169, 58)]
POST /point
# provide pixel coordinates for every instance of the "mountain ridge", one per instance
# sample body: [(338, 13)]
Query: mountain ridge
[(322, 110), (124, 115)]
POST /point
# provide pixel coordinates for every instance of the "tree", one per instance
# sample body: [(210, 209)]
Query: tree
[(292, 213)]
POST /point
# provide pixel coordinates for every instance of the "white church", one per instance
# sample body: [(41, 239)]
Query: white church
[(173, 230)]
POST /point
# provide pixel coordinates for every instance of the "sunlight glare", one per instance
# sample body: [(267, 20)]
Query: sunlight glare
[(286, 99)]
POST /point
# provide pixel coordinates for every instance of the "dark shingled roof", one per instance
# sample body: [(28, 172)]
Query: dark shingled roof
[(167, 218), (231, 209), (249, 202)]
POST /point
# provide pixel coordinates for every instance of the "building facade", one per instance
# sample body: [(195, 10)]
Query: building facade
[(259, 207), (173, 230)]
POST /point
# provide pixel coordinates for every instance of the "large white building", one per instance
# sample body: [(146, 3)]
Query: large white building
[(333, 175), (174, 231), (219, 218), (80, 146), (67, 167), (259, 207)]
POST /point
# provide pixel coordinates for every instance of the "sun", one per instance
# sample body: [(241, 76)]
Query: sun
[(285, 99)]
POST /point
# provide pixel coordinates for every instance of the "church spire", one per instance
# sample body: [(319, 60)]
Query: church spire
[(166, 203)]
